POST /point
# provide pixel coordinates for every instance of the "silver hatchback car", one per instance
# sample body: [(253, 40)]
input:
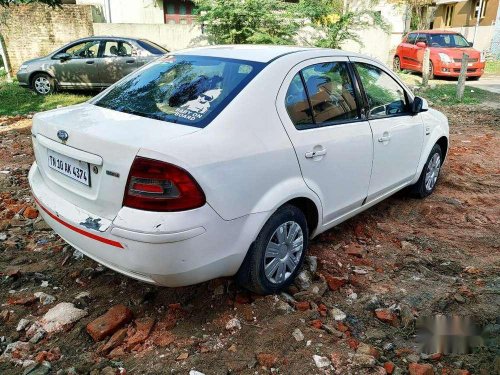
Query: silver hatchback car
[(88, 63)]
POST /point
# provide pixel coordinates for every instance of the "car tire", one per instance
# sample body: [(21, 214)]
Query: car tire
[(430, 174), (277, 254), (396, 64), (43, 84)]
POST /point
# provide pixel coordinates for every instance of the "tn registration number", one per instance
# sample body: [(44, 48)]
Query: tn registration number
[(75, 169)]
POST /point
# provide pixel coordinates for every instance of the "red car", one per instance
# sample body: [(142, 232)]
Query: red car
[(446, 48)]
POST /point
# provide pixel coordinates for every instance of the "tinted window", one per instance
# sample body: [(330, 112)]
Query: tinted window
[(189, 90), (154, 48), (114, 48), (330, 92), (448, 40), (385, 96), (422, 38), (84, 50), (411, 38), (297, 103)]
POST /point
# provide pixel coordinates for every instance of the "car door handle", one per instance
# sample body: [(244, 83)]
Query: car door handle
[(130, 61), (89, 62), (315, 153), (384, 138)]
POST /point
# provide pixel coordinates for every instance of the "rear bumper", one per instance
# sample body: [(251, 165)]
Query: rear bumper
[(453, 69), (170, 249)]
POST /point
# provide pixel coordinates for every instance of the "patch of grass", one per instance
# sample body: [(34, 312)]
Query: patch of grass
[(16, 100), (492, 67), (445, 94)]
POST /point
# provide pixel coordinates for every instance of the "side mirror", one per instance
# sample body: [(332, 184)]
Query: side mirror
[(421, 44), (471, 44), (419, 105), (63, 56)]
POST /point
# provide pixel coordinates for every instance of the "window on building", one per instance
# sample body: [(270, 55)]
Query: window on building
[(448, 14), (178, 11), (482, 11)]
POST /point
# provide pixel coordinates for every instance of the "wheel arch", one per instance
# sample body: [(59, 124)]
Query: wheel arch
[(33, 74), (443, 143), (310, 210)]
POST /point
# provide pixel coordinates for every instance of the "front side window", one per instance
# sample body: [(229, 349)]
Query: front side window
[(114, 48), (385, 96), (448, 40), (84, 50), (411, 38), (189, 90)]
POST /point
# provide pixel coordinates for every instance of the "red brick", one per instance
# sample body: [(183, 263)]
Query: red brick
[(322, 309), (115, 340), (30, 213), (22, 300), (267, 359), (334, 282), (317, 323), (353, 343), (420, 369), (355, 250), (342, 327), (389, 367), (302, 305), (109, 323), (386, 316), (143, 329)]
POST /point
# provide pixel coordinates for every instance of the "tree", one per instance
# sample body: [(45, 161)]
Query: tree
[(52, 3), (337, 25), (418, 10), (248, 21)]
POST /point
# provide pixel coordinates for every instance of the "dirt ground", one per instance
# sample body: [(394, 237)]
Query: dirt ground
[(376, 274)]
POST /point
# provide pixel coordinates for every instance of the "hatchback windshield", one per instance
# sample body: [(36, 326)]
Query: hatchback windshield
[(189, 90), (447, 40)]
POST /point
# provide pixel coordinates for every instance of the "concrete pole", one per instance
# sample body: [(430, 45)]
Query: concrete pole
[(478, 19), (462, 77), (426, 67)]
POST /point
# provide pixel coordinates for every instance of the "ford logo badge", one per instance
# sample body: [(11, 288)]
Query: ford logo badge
[(62, 135)]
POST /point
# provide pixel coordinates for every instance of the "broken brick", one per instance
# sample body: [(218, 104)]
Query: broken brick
[(355, 250), (30, 213), (420, 369), (316, 323), (143, 329), (22, 300), (302, 305), (389, 367), (334, 282), (266, 359), (109, 323), (115, 340), (386, 316)]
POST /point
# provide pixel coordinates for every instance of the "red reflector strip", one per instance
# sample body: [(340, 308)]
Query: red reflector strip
[(148, 188), (78, 230)]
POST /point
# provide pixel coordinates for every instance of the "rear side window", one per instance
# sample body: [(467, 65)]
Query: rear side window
[(412, 37), (189, 90), (385, 96), (151, 47), (422, 38), (297, 104)]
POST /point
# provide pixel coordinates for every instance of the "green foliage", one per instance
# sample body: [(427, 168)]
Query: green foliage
[(15, 100), (445, 94), (248, 21), (52, 3)]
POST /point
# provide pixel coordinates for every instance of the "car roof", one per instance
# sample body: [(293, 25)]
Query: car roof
[(258, 53), (434, 31), (98, 37)]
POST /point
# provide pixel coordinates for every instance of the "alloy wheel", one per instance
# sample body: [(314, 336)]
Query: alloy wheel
[(42, 85), (432, 172), (283, 252)]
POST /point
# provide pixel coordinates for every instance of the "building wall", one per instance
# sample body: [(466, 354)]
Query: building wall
[(172, 37), (463, 14), (35, 30), (129, 11)]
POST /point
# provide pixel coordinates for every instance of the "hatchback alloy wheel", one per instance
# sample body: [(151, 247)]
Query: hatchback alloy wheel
[(432, 172)]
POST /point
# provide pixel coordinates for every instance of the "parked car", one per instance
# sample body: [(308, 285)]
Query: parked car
[(88, 63), (446, 50), (219, 161)]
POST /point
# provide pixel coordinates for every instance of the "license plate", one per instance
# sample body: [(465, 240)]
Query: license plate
[(470, 64), (75, 169)]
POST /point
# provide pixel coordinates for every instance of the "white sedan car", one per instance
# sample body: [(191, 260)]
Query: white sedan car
[(226, 160)]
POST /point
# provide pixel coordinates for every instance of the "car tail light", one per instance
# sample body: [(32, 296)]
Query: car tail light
[(154, 185)]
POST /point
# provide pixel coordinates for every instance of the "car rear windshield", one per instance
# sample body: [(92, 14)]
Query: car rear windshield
[(154, 48), (447, 40), (183, 89)]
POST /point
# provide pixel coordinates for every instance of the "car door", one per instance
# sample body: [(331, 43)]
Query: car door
[(117, 61), (319, 108), (398, 133), (407, 51), (80, 69)]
